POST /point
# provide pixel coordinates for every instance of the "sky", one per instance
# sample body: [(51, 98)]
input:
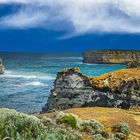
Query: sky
[(69, 25)]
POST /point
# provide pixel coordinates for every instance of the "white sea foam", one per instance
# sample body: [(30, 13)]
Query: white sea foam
[(47, 77), (31, 84), (35, 84), (10, 74), (19, 76)]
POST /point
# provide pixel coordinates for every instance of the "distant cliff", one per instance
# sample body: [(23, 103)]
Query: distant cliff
[(1, 67), (111, 56), (72, 89)]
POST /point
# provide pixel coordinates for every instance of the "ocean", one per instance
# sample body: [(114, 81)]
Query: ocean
[(29, 77)]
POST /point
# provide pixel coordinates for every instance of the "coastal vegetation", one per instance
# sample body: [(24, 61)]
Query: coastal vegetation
[(74, 124), (102, 123), (19, 126)]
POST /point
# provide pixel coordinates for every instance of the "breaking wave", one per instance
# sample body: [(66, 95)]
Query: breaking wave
[(10, 74), (35, 84)]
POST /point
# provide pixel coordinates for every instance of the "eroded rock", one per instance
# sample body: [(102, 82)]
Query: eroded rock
[(72, 89)]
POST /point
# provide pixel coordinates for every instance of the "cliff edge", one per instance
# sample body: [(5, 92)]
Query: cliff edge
[(111, 56), (72, 89)]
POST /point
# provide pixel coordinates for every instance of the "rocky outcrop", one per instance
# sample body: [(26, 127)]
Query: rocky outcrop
[(134, 64), (72, 89), (1, 67), (111, 56)]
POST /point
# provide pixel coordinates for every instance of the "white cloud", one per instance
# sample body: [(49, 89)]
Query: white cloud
[(24, 18), (76, 16), (13, 1)]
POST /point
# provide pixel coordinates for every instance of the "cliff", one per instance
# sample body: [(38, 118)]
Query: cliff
[(72, 89), (111, 56), (1, 67)]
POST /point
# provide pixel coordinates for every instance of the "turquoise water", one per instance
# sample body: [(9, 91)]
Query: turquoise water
[(29, 77)]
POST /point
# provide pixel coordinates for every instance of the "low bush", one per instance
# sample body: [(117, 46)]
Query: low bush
[(68, 121), (18, 126), (121, 131), (91, 126), (119, 136), (98, 137)]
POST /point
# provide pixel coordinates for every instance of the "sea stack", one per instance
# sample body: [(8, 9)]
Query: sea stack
[(1, 67), (111, 56), (72, 89)]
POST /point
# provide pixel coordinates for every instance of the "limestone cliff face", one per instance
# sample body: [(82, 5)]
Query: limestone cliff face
[(1, 67), (72, 89), (111, 56)]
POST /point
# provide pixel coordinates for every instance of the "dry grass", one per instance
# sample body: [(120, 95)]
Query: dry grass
[(131, 72), (107, 116), (114, 79)]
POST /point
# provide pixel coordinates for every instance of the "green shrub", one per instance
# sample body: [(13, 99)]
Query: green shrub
[(121, 131), (68, 121), (98, 137), (123, 128), (119, 136), (15, 126), (18, 126), (87, 129), (91, 126)]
